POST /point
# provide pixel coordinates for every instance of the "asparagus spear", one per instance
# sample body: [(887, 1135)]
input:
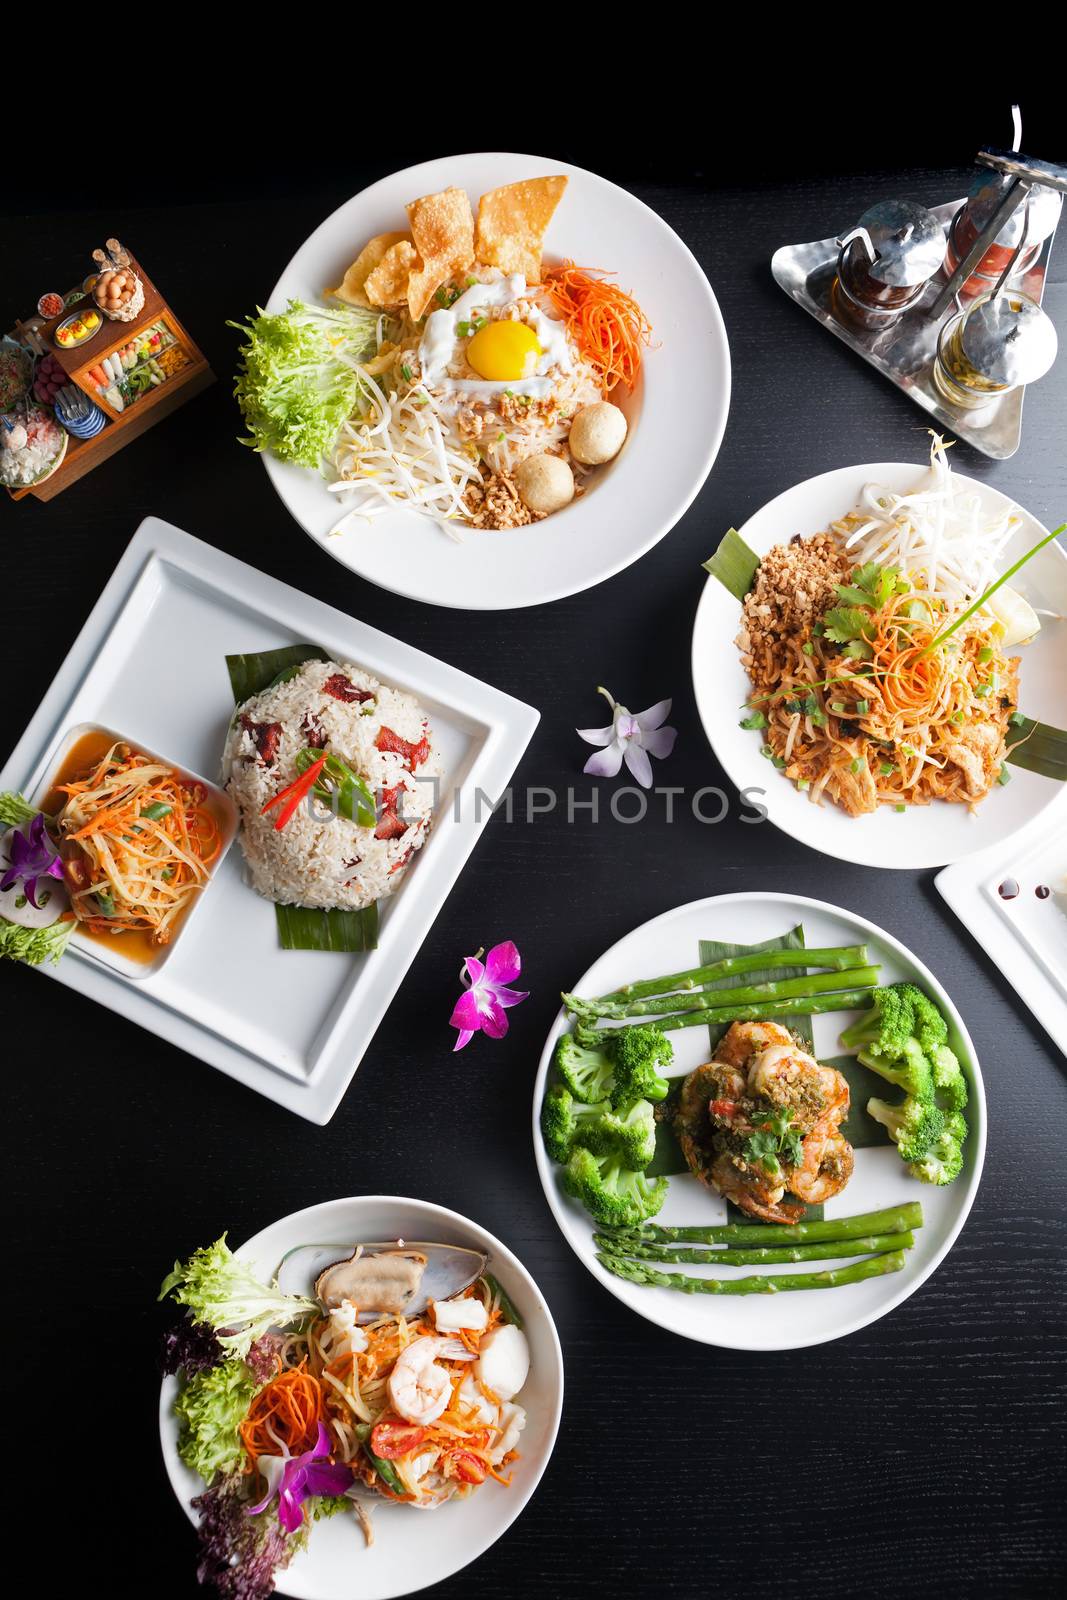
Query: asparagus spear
[(801, 1006), (840, 957), (639, 1272), (894, 1219), (710, 999), (870, 1244)]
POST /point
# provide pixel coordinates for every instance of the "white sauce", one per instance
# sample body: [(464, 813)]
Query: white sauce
[(440, 340)]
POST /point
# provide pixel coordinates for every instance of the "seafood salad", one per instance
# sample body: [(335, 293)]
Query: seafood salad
[(395, 1377), (763, 1119)]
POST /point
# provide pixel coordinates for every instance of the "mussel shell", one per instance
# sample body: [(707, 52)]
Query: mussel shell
[(449, 1269)]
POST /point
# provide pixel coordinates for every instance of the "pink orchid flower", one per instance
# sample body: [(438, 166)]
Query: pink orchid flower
[(483, 1006), (630, 738), (295, 1479)]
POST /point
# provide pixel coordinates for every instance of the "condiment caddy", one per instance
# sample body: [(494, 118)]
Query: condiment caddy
[(946, 302)]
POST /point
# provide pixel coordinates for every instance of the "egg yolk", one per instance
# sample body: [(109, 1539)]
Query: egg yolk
[(504, 352)]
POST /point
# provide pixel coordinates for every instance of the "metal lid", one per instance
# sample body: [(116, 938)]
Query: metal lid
[(1041, 209), (908, 242), (1008, 339)]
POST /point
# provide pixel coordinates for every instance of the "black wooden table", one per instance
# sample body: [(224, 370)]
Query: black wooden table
[(925, 1453)]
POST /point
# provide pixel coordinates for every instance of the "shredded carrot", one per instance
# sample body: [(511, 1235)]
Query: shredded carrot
[(137, 840), (606, 323), (288, 1410)]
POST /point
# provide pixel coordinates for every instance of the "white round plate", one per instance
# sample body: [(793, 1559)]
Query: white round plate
[(410, 1549), (670, 943), (922, 836), (677, 415)]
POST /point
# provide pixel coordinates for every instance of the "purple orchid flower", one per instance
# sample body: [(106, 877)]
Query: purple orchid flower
[(630, 738), (298, 1478), (32, 856), (483, 1007)]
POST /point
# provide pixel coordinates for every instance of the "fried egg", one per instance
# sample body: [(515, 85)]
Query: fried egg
[(506, 353)]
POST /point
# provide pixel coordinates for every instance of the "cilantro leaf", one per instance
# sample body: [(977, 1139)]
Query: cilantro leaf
[(843, 623), (859, 650)]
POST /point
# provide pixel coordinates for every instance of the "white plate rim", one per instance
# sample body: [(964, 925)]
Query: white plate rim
[(435, 1213), (666, 520), (796, 904), (708, 713)]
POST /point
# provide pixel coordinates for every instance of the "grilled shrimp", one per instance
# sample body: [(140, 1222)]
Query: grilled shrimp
[(788, 1076), (742, 1040), (752, 1190), (713, 1085), (826, 1167), (419, 1387)]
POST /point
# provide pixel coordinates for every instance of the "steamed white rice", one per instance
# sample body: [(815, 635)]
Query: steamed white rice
[(319, 859)]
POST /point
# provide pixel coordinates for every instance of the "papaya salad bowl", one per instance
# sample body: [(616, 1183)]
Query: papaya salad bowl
[(352, 1365), (487, 381)]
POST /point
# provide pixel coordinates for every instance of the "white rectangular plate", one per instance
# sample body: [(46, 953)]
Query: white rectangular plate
[(1024, 934), (150, 662)]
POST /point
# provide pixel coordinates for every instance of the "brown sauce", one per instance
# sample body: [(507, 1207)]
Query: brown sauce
[(135, 944)]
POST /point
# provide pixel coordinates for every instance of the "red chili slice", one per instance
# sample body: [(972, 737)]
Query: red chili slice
[(294, 793), (467, 1468), (391, 1440), (723, 1108), (341, 688), (414, 754), (265, 737)]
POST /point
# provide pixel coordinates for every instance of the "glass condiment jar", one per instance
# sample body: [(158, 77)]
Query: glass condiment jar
[(885, 263), (999, 343), (1035, 219)]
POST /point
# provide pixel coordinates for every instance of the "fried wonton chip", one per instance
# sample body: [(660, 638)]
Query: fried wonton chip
[(387, 285), (443, 229), (511, 224), (353, 287)]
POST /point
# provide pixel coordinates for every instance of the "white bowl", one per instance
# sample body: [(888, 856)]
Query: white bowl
[(922, 836), (678, 414), (411, 1549)]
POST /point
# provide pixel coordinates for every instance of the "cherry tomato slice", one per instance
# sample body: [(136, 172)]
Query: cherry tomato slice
[(467, 1468), (391, 1440)]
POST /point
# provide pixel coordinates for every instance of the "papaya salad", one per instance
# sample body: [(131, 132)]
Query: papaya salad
[(395, 1378), (880, 651), (451, 371)]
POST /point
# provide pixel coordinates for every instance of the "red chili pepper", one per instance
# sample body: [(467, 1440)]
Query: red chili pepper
[(391, 1440), (294, 793), (723, 1108)]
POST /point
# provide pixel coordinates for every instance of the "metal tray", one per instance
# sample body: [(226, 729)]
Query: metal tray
[(904, 353)]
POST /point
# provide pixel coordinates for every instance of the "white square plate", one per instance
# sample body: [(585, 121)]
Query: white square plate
[(150, 662), (1024, 933)]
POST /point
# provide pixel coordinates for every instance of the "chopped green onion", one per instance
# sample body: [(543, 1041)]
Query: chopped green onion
[(765, 750), (463, 330), (819, 718), (862, 708), (1003, 776), (406, 372), (779, 762), (986, 653), (157, 809), (838, 707), (808, 648), (803, 783), (900, 808), (983, 689), (887, 769), (856, 765), (1016, 719)]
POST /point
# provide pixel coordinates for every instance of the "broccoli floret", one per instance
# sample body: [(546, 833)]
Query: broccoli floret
[(586, 1070), (928, 1025), (612, 1194), (638, 1054), (943, 1161), (914, 1126), (910, 1071), (567, 1123), (949, 1082), (564, 1120), (886, 1027)]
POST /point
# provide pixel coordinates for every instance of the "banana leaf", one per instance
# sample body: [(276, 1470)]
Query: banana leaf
[(302, 927), (252, 674), (1038, 747), (734, 564)]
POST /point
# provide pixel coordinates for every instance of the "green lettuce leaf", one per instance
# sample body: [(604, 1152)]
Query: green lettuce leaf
[(34, 945), (209, 1410), (221, 1291)]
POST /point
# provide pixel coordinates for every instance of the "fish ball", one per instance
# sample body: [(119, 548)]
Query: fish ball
[(545, 483), (597, 433)]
